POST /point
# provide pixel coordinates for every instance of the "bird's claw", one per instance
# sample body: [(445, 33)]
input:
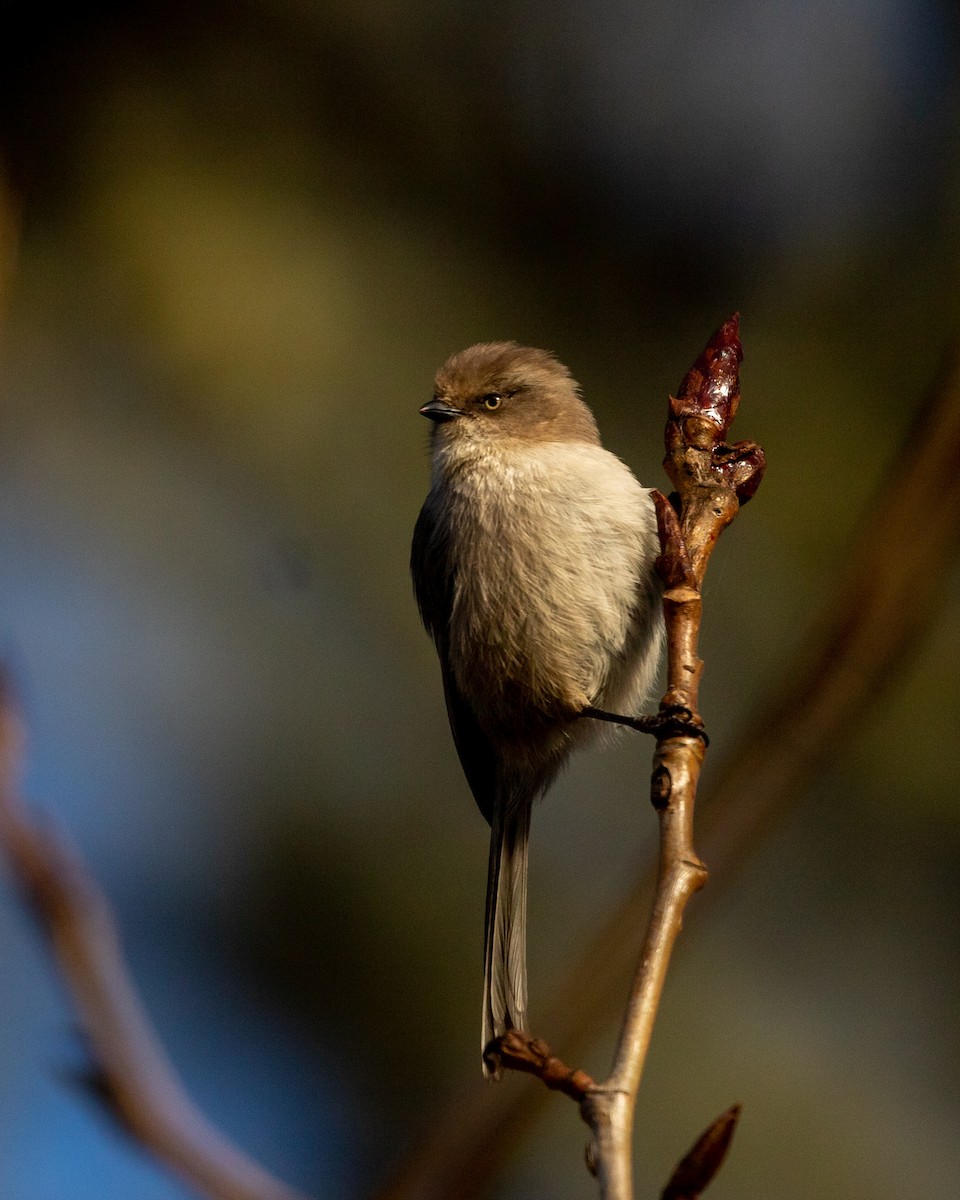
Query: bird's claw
[(673, 720)]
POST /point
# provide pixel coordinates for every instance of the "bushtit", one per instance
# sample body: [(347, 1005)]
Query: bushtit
[(533, 566)]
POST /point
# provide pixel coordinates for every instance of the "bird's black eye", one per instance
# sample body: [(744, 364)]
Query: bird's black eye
[(492, 400)]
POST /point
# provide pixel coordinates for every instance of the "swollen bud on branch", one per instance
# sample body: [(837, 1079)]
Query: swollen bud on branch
[(701, 415), (708, 397), (712, 478), (697, 1168)]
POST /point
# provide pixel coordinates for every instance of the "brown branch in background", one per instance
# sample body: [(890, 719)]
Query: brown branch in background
[(131, 1072), (885, 595), (709, 476)]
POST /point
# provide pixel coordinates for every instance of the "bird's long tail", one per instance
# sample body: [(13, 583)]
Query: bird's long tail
[(505, 936)]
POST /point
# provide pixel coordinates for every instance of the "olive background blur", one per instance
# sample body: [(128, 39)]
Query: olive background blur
[(248, 235)]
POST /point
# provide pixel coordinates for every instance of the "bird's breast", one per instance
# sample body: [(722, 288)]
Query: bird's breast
[(550, 550)]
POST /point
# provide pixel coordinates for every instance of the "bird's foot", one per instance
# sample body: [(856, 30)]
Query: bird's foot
[(672, 720)]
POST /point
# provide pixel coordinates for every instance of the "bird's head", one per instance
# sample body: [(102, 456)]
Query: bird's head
[(498, 391)]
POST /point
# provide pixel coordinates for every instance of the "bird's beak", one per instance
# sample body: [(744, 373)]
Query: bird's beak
[(439, 411)]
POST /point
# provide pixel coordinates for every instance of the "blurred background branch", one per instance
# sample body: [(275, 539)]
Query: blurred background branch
[(249, 234), (129, 1072)]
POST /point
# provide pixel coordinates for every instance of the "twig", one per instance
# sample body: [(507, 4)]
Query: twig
[(131, 1073), (710, 477), (886, 592), (520, 1052)]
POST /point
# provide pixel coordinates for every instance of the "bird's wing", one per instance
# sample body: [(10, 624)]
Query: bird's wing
[(431, 564), (477, 755)]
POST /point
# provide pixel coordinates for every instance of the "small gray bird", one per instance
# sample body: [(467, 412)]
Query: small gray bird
[(533, 566)]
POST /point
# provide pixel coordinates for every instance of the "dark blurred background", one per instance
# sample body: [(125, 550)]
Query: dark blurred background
[(248, 234)]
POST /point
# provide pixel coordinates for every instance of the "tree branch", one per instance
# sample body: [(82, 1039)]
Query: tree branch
[(132, 1074), (708, 475)]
